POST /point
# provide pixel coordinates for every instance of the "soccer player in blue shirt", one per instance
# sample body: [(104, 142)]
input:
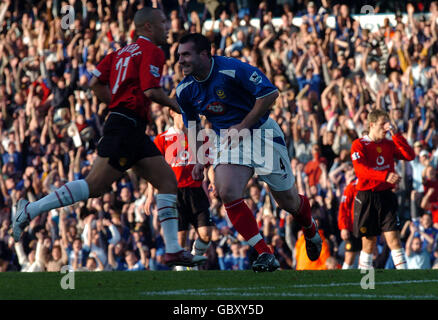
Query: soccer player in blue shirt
[(234, 95)]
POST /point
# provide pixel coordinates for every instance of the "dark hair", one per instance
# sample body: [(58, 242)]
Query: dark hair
[(200, 42)]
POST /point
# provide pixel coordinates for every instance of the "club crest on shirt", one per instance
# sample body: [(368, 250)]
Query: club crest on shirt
[(123, 161), (379, 149), (216, 108), (221, 94)]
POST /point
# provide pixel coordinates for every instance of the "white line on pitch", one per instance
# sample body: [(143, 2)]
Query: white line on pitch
[(227, 291), (287, 294)]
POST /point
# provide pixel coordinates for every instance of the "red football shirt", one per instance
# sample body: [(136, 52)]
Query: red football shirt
[(434, 210), (431, 184), (373, 161), (346, 209), (130, 71), (175, 148)]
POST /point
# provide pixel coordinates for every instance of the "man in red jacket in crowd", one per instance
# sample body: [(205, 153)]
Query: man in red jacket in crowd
[(375, 206)]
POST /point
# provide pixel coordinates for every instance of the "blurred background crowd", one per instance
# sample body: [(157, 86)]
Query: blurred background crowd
[(329, 78)]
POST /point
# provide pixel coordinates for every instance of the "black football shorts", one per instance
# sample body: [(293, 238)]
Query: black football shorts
[(124, 142), (193, 208), (375, 212), (353, 244)]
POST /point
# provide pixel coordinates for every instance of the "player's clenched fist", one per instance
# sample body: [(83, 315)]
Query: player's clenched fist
[(393, 178)]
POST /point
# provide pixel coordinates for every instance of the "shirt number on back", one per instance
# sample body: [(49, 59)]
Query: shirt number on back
[(122, 65)]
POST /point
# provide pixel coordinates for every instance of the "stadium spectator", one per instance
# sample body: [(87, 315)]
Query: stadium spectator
[(418, 257), (236, 259)]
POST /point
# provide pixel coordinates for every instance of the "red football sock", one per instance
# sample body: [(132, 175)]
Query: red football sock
[(304, 218), (244, 222)]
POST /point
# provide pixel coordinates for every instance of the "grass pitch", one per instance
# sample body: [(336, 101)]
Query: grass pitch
[(222, 285)]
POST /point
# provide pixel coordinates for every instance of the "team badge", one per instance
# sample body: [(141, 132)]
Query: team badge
[(348, 246), (363, 229), (221, 94), (379, 149), (123, 161)]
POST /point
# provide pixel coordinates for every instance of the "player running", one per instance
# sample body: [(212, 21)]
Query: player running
[(234, 95), (193, 204), (127, 80), (375, 206)]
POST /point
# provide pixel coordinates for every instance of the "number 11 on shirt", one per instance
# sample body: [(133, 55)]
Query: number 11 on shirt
[(122, 64)]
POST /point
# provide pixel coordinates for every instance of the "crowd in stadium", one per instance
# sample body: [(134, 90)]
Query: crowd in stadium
[(328, 78)]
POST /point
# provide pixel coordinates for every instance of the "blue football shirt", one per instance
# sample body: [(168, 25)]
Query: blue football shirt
[(226, 96)]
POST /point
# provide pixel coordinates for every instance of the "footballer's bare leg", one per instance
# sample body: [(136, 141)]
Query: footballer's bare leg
[(156, 171), (204, 233), (99, 179), (182, 238), (298, 205), (366, 254), (230, 182), (202, 241), (101, 176), (349, 258), (397, 252)]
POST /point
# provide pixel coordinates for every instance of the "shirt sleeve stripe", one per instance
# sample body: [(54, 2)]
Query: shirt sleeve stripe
[(267, 94)]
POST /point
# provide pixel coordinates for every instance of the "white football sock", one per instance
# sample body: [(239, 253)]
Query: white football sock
[(365, 260), (168, 217), (346, 266), (200, 247), (180, 268), (66, 195), (398, 257)]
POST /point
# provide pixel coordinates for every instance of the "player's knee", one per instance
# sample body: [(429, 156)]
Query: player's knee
[(289, 202), (393, 242), (96, 186), (228, 194), (368, 244)]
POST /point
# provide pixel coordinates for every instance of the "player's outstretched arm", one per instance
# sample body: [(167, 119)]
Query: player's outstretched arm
[(159, 96), (101, 90)]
